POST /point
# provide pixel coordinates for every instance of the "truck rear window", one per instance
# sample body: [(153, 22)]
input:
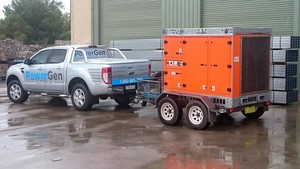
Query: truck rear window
[(91, 54)]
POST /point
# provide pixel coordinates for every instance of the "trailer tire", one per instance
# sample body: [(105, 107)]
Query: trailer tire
[(169, 112), (81, 97), (197, 115), (16, 92), (259, 112)]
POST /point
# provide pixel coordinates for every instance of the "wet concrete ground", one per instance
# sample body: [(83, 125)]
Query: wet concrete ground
[(47, 133)]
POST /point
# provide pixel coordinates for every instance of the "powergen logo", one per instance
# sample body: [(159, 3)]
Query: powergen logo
[(43, 76)]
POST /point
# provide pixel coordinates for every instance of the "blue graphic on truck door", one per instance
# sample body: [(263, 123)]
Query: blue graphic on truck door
[(34, 74)]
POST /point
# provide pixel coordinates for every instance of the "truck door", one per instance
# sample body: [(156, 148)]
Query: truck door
[(55, 69), (34, 73)]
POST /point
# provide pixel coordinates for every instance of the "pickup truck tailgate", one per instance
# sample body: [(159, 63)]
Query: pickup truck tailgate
[(129, 73)]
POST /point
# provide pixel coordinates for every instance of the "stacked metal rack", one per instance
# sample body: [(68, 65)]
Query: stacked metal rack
[(283, 71)]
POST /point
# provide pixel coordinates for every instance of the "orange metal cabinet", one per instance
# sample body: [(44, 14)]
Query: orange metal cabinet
[(219, 68), (229, 65), (196, 63), (199, 65), (173, 47), (172, 63)]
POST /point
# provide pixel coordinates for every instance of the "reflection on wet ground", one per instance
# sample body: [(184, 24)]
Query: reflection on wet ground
[(49, 133)]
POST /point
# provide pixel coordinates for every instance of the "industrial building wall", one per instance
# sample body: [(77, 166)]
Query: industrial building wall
[(81, 24), (99, 21), (283, 16), (278, 15), (182, 13), (130, 19)]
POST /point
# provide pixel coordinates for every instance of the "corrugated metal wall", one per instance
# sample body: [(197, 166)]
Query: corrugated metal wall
[(130, 19), (181, 13), (138, 19), (276, 14)]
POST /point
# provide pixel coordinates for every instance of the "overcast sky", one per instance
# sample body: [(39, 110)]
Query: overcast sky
[(6, 2)]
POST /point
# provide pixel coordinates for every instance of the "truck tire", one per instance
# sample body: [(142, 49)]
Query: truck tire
[(144, 103), (123, 101), (169, 112), (81, 97), (16, 92), (259, 112), (197, 115)]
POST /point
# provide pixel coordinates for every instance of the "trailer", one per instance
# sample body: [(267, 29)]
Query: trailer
[(210, 71)]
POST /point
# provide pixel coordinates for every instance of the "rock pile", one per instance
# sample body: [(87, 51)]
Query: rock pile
[(11, 50), (3, 69), (62, 42), (14, 50)]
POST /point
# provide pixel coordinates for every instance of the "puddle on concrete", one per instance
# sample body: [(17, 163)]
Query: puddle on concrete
[(133, 137)]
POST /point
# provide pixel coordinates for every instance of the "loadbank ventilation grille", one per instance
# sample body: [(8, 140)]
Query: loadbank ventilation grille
[(255, 64)]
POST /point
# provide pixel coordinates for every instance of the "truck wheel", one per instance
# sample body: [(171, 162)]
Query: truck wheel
[(144, 103), (123, 101), (169, 112), (197, 115), (259, 112), (81, 97), (16, 93)]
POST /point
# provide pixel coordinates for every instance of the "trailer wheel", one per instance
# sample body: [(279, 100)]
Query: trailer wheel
[(197, 115), (259, 112), (169, 112), (16, 93), (81, 97)]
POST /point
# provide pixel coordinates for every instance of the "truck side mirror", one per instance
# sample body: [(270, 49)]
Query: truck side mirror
[(27, 61)]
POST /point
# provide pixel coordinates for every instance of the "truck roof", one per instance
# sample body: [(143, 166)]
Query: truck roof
[(76, 46)]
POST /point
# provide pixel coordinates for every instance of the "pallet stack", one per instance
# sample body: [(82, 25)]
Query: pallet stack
[(283, 71)]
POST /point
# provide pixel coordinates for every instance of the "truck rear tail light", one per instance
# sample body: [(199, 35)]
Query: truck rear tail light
[(231, 110), (149, 70), (267, 103), (106, 75)]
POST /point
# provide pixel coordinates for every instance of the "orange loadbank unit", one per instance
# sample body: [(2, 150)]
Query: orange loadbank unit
[(207, 71)]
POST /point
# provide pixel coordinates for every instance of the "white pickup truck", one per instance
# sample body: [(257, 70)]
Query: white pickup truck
[(86, 73)]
